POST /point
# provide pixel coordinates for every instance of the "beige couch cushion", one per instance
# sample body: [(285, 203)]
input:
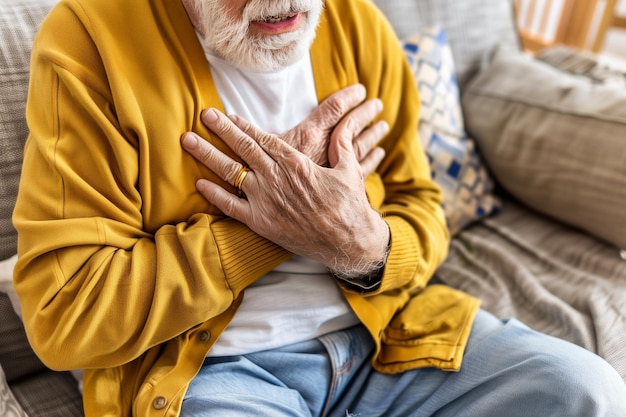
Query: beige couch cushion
[(473, 27), (554, 140)]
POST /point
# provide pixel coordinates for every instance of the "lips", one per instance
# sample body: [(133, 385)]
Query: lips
[(278, 24)]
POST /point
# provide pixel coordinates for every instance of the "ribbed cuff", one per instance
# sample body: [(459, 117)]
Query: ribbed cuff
[(245, 255)]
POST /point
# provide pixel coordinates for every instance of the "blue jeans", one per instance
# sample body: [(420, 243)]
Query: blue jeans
[(508, 370)]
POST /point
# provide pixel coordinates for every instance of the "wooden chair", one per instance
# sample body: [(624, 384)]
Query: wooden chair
[(580, 24), (610, 19)]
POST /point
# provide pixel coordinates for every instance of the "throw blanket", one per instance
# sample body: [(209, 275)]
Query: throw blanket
[(551, 277)]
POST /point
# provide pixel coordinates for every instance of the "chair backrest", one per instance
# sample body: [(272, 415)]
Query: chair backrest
[(614, 16), (581, 24)]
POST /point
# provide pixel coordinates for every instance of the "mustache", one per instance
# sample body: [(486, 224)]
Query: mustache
[(228, 36)]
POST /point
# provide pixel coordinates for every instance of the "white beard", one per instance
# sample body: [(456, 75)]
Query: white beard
[(232, 42)]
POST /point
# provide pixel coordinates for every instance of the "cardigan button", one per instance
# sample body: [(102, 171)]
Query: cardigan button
[(159, 403), (204, 336)]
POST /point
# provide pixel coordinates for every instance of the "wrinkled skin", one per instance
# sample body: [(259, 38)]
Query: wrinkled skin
[(308, 180)]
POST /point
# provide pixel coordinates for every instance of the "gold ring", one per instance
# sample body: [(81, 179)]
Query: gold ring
[(241, 175)]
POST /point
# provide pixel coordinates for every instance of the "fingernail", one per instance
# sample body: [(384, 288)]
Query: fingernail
[(201, 185), (360, 89), (379, 105), (209, 115), (189, 141)]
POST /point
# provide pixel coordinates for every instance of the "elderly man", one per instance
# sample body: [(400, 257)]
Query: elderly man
[(270, 262)]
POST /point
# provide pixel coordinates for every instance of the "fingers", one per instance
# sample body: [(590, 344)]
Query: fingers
[(341, 154), (352, 126), (267, 146), (272, 145), (371, 161), (260, 153), (211, 157), (364, 143), (246, 127), (331, 110), (230, 205), (239, 141), (226, 168), (361, 117)]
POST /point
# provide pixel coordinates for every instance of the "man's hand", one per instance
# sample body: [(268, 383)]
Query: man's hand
[(314, 211), (312, 136)]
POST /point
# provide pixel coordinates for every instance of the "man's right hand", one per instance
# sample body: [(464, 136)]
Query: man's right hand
[(344, 109), (322, 213)]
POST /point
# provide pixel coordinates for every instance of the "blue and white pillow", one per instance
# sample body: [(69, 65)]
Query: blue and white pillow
[(431, 59), (455, 164)]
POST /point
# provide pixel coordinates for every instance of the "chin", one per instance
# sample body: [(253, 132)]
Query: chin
[(283, 59), (241, 47), (262, 59)]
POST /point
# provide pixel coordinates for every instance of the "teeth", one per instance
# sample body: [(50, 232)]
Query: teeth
[(275, 19)]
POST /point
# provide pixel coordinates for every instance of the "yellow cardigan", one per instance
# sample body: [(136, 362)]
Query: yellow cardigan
[(126, 271)]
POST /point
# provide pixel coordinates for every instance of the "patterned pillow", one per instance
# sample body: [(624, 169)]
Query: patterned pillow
[(9, 407), (455, 163)]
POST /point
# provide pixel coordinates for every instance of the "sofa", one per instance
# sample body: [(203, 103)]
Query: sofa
[(529, 151)]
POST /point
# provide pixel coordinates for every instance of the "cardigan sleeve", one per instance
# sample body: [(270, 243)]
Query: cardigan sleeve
[(412, 204), (367, 51), (98, 288)]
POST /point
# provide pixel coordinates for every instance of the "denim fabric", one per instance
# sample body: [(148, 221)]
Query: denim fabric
[(508, 370)]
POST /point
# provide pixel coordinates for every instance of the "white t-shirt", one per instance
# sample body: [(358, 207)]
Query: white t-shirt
[(299, 300)]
